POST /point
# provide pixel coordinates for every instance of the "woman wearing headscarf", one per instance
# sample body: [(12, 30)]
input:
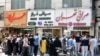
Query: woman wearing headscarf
[(43, 46)]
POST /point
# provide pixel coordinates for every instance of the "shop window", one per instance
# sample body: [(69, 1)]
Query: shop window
[(74, 32), (81, 32), (81, 28), (47, 31), (86, 32), (56, 32)]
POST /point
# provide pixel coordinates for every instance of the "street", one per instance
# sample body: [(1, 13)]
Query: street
[(2, 54), (37, 55)]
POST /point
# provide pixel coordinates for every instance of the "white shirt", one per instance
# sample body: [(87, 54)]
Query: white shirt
[(61, 39), (17, 40), (93, 42), (25, 42), (96, 42), (74, 42)]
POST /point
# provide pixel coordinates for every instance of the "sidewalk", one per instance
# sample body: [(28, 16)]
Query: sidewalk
[(37, 55)]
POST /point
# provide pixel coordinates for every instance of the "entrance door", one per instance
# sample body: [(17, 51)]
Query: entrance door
[(56, 32)]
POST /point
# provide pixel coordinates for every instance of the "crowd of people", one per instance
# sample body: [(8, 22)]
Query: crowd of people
[(31, 45)]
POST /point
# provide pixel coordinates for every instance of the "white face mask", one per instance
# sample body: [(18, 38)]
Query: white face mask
[(9, 38), (53, 39)]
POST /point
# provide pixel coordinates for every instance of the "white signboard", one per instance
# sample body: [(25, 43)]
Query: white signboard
[(40, 18), (73, 17)]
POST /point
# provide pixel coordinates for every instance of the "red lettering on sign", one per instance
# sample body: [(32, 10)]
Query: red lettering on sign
[(80, 24), (62, 24), (80, 15), (61, 17), (12, 17)]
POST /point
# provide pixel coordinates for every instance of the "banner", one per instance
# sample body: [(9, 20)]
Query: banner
[(73, 17), (15, 18), (40, 18)]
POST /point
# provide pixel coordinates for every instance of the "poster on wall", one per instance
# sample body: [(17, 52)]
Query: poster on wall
[(40, 18), (15, 18), (73, 17)]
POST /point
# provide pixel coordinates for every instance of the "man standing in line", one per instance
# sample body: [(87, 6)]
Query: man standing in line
[(36, 44), (84, 45), (25, 50), (31, 48), (93, 46), (77, 37)]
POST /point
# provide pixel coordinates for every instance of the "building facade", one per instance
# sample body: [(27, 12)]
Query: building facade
[(97, 4), (46, 12)]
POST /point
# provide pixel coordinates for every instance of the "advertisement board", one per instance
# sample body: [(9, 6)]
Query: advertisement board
[(73, 17), (40, 18), (15, 18)]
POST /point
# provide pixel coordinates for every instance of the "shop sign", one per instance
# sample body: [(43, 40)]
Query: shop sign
[(40, 18), (15, 18), (78, 17)]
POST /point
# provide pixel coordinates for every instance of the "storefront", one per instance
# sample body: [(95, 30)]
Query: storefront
[(60, 21), (74, 20), (43, 20), (54, 31), (81, 30), (14, 20)]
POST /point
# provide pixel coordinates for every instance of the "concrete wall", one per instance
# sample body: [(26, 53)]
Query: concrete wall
[(30, 4), (56, 4), (1, 23), (86, 3), (98, 15), (6, 4)]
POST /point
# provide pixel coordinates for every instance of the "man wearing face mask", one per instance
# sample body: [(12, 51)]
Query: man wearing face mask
[(77, 38)]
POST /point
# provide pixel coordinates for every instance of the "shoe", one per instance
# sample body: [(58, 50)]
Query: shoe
[(68, 53)]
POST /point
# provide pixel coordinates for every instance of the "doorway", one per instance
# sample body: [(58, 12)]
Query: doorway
[(56, 32)]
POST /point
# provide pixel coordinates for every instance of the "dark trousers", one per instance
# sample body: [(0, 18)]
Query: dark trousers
[(35, 50), (52, 52), (25, 51), (14, 50), (20, 49)]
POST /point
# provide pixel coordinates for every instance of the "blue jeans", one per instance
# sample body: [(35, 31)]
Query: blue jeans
[(95, 51), (31, 49)]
